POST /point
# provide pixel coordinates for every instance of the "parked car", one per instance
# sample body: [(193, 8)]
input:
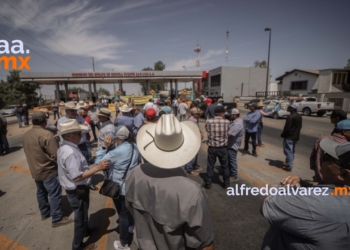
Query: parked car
[(310, 106), (280, 108), (227, 105), (9, 110), (250, 102)]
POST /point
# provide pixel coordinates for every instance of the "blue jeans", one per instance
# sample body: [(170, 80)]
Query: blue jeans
[(182, 117), (289, 152), (81, 216), (192, 165), (175, 111), (19, 120), (25, 120), (50, 188), (221, 153), (56, 113), (125, 219), (260, 130), (232, 162)]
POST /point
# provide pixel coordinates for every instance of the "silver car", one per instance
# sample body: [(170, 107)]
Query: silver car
[(9, 110)]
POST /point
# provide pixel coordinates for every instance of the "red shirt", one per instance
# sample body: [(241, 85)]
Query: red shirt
[(88, 120)]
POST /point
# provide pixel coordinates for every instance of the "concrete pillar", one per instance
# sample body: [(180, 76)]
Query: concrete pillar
[(171, 88), (90, 91), (57, 96), (176, 90), (148, 89), (66, 97), (121, 87), (95, 91)]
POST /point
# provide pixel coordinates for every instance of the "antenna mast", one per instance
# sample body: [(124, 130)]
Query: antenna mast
[(227, 40), (197, 50)]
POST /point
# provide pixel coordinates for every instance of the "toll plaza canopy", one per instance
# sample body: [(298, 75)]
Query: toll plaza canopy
[(93, 78)]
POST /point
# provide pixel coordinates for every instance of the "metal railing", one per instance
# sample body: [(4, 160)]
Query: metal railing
[(269, 93)]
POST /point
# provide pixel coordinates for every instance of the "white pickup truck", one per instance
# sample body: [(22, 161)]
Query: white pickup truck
[(309, 105)]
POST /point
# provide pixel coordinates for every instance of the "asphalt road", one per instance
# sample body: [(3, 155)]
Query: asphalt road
[(236, 219)]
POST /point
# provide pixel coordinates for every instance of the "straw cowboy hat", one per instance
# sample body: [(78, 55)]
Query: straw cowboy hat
[(45, 110), (70, 126), (61, 103), (169, 143), (81, 104), (260, 104), (70, 105), (91, 103), (125, 109), (104, 112)]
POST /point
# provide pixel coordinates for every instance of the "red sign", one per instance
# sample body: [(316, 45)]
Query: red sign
[(113, 74)]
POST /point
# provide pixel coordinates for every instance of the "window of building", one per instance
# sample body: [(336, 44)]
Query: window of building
[(339, 78), (215, 81), (300, 85)]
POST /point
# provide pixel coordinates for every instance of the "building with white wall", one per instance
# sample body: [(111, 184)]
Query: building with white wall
[(299, 81), (333, 81), (234, 81)]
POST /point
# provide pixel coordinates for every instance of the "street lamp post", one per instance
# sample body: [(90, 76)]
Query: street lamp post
[(268, 63), (185, 70)]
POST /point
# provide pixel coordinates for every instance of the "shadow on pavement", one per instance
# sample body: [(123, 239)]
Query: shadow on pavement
[(100, 219), (215, 180), (275, 163), (2, 193), (14, 149)]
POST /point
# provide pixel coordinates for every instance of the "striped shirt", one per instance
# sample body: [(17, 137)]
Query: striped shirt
[(217, 129)]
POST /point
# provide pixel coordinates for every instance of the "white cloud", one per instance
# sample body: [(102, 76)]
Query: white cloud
[(116, 67)]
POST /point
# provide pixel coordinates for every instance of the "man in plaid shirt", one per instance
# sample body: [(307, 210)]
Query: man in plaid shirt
[(217, 129)]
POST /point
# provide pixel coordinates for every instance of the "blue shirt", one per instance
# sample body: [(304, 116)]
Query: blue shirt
[(119, 158), (138, 121), (252, 121), (236, 131), (166, 109), (125, 120), (210, 112)]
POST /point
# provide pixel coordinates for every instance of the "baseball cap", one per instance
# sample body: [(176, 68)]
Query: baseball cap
[(341, 114), (338, 151), (121, 132), (343, 125), (219, 109), (234, 112), (294, 105), (150, 113), (39, 116)]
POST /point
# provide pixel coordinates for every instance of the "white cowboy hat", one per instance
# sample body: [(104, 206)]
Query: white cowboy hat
[(61, 103), (169, 143), (91, 103), (70, 105), (70, 126), (45, 110), (104, 112), (81, 104), (125, 109)]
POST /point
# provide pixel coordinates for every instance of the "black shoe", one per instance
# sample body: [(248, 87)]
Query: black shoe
[(287, 169), (254, 154), (245, 152), (93, 187), (45, 217), (225, 186), (206, 186)]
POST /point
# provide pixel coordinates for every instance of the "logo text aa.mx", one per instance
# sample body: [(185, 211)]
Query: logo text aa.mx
[(11, 52)]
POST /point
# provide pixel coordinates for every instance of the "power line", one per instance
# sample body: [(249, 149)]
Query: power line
[(38, 53), (38, 41), (39, 14)]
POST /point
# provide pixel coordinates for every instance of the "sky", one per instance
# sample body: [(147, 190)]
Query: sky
[(128, 35)]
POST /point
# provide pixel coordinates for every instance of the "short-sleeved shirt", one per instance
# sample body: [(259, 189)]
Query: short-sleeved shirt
[(236, 131), (170, 210), (106, 128), (166, 109), (217, 129), (71, 164), (182, 108), (307, 222), (125, 120)]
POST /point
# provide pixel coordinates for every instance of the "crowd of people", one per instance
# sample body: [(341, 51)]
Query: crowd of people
[(158, 206)]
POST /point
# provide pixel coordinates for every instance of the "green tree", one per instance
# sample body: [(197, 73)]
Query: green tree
[(156, 86), (261, 64), (347, 65), (13, 91), (103, 91)]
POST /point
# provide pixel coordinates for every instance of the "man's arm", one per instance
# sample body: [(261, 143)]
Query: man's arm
[(287, 126), (103, 165)]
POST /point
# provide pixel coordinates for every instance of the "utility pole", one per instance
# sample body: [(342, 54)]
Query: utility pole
[(227, 34), (93, 65), (268, 63)]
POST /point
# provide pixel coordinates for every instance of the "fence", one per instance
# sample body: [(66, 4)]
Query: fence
[(341, 100), (269, 93)]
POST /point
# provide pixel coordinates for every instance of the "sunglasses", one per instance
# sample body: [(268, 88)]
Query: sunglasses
[(338, 162)]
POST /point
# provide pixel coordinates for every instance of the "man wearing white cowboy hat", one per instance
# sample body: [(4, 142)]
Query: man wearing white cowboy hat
[(170, 210), (106, 127), (75, 177), (71, 113), (125, 119)]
